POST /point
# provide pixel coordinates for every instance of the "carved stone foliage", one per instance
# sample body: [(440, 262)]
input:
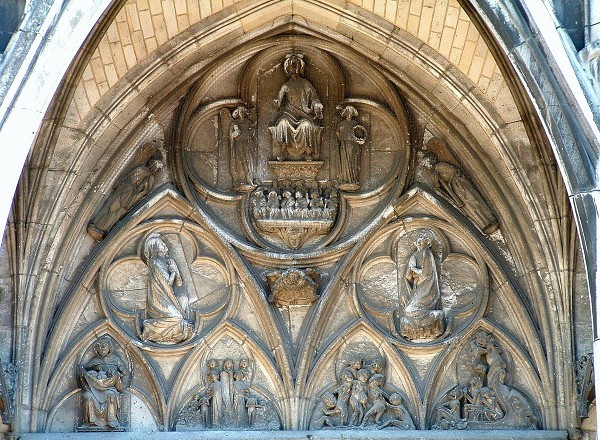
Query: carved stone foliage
[(361, 398), (293, 287), (168, 290), (133, 186), (304, 126), (227, 397), (482, 398), (449, 181), (104, 376), (416, 288)]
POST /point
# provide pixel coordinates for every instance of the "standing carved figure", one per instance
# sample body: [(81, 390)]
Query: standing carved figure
[(130, 190), (296, 134), (423, 317), (165, 321), (103, 382), (351, 136), (242, 139)]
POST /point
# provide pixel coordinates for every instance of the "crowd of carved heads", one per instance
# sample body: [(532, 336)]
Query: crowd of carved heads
[(281, 264)]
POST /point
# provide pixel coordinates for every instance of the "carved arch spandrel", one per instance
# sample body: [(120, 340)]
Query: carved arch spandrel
[(66, 368), (327, 363), (422, 208), (188, 381), (518, 361), (75, 301)]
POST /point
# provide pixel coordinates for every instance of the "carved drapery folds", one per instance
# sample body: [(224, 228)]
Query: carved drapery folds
[(482, 399), (104, 379), (421, 291), (8, 376), (456, 188), (136, 184), (288, 278), (360, 400)]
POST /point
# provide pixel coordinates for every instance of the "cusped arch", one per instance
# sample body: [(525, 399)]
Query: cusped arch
[(356, 331), (73, 353), (528, 372), (250, 345)]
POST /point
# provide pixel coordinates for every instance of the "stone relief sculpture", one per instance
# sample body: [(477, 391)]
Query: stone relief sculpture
[(294, 212), (454, 186), (166, 314), (227, 401), (351, 137), (103, 380), (296, 134), (241, 133), (293, 287), (131, 189), (359, 401), (423, 318), (421, 292), (486, 401)]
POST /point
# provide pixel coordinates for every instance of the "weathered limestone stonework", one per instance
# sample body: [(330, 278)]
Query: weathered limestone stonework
[(293, 216)]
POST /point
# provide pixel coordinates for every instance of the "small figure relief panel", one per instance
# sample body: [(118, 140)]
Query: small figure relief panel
[(141, 178), (482, 397), (420, 285), (290, 139), (104, 374), (169, 291), (361, 398), (228, 396), (454, 186)]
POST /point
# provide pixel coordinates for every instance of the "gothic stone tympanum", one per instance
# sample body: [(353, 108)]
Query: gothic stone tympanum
[(292, 270)]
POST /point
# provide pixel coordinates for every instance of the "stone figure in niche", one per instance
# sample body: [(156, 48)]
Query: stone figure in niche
[(103, 380), (296, 134), (351, 137), (242, 147), (166, 314), (423, 318), (360, 401), (137, 183), (293, 287), (227, 401), (486, 402), (455, 187)]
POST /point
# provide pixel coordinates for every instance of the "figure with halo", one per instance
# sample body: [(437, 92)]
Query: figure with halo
[(423, 317), (296, 133)]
